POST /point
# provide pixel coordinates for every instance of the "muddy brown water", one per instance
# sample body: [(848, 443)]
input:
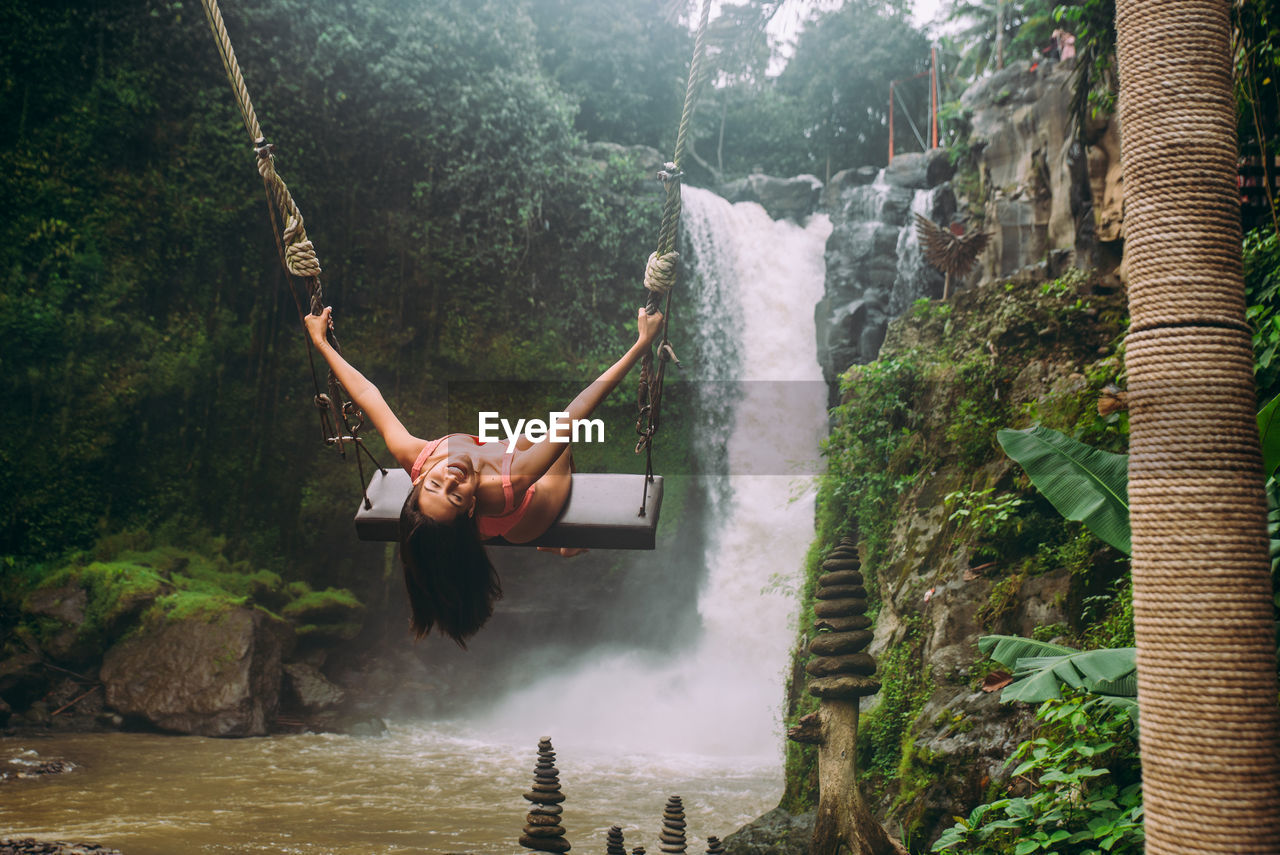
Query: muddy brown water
[(421, 789)]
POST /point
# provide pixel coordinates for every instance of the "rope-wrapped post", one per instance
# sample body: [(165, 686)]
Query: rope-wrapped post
[(1201, 582)]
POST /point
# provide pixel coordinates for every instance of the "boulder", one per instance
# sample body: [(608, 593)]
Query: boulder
[(65, 603), (775, 833), (311, 689), (782, 198), (22, 678), (843, 181), (208, 675)]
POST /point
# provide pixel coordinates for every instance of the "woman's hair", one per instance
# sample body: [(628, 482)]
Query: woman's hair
[(452, 584)]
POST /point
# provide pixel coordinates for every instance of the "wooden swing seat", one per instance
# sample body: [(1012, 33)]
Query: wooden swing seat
[(603, 512)]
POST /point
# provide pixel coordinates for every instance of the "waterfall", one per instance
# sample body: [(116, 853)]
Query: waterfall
[(753, 284)]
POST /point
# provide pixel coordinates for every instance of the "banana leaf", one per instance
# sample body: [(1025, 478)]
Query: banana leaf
[(1008, 649), (1083, 483), (1269, 435), (1040, 669)]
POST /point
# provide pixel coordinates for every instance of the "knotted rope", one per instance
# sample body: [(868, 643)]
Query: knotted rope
[(1201, 581), (662, 269), (660, 273), (297, 253)]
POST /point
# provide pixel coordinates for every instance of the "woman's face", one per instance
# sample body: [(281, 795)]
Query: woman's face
[(448, 488)]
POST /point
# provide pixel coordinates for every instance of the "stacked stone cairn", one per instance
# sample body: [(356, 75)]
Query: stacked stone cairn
[(613, 843), (543, 832), (671, 840), (840, 668), (714, 846)]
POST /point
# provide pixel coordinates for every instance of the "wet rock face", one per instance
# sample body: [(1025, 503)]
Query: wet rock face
[(1043, 186), (782, 198), (875, 269), (311, 689), (201, 676)]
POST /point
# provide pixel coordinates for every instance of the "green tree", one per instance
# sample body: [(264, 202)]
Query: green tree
[(624, 62), (844, 62)]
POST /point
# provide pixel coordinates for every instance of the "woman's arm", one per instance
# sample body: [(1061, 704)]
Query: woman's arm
[(532, 460), (403, 446)]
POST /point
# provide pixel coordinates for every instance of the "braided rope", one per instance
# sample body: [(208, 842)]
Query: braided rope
[(1201, 581), (662, 270), (669, 232), (660, 273), (299, 253)]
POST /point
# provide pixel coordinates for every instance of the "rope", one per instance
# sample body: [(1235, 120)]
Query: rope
[(297, 254), (660, 273), (1201, 581), (662, 269)]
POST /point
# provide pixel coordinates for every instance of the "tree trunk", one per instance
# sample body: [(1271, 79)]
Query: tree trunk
[(1201, 580), (999, 34), (844, 825)]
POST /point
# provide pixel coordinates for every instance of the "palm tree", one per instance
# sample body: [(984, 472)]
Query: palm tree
[(1201, 580), (990, 27)]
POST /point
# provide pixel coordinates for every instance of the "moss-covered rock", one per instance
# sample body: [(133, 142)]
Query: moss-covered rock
[(200, 666), (332, 614)]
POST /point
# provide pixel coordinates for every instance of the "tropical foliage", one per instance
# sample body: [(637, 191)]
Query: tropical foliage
[(1041, 669), (1083, 483), (1076, 791)]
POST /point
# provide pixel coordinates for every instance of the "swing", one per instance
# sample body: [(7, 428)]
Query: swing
[(601, 512)]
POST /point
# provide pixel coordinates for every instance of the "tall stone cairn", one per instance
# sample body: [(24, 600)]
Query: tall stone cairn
[(840, 673), (715, 846), (671, 840), (840, 668), (543, 832), (613, 843)]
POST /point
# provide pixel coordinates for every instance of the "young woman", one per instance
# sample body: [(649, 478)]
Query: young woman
[(465, 491)]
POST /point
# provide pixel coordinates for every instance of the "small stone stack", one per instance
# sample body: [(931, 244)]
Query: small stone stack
[(613, 844), (714, 846), (840, 669), (671, 840), (543, 832)]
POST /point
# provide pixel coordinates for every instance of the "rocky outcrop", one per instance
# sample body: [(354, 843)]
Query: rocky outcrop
[(776, 833), (1044, 189), (31, 846), (875, 269), (207, 675), (1044, 197), (310, 689), (782, 198)]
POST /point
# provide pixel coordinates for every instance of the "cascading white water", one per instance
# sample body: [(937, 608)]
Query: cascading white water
[(757, 281)]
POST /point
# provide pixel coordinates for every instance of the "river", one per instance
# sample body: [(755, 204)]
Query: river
[(705, 726)]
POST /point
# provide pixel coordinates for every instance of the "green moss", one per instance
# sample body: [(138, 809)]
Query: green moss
[(115, 593), (190, 605), (884, 732), (334, 613)]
